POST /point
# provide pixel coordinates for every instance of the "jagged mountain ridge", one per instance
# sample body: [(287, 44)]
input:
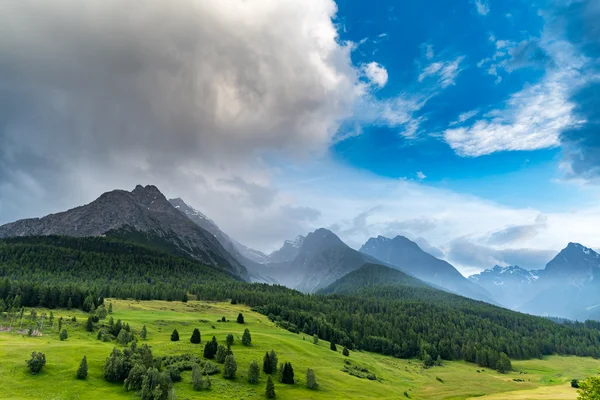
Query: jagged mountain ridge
[(288, 251), (408, 257), (511, 286), (569, 286), (313, 262), (142, 215), (235, 249)]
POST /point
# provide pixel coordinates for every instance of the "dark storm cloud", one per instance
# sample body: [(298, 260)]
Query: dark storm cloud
[(186, 95)]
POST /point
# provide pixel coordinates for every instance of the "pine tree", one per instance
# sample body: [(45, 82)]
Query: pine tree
[(270, 392), (332, 346), (51, 319), (143, 333), (82, 371), (209, 353), (175, 336), (315, 339), (89, 326), (267, 366), (229, 339), (240, 318), (246, 338), (229, 368), (287, 376), (311, 379), (195, 336), (123, 337), (110, 309), (197, 383), (70, 303), (346, 352), (60, 322), (64, 335), (221, 354), (274, 360), (253, 372)]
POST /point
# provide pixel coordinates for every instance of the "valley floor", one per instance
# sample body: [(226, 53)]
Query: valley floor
[(546, 379)]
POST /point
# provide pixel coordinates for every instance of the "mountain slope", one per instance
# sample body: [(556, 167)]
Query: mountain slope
[(288, 251), (569, 286), (370, 275), (313, 262), (408, 257), (237, 250), (143, 215), (511, 286)]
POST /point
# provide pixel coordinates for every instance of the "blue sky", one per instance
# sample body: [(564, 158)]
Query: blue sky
[(469, 126), (407, 37)]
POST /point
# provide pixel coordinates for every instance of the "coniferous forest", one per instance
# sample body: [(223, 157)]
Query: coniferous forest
[(397, 320)]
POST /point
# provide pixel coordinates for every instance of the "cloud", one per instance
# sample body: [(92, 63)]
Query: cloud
[(464, 117), (517, 233), (446, 72), (427, 49), (427, 248), (581, 143), (192, 97), (410, 227), (482, 7), (474, 257), (532, 119), (376, 73), (421, 175)]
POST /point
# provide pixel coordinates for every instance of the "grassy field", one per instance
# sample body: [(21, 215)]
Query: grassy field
[(541, 379)]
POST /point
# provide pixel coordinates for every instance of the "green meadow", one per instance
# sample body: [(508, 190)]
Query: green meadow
[(546, 379)]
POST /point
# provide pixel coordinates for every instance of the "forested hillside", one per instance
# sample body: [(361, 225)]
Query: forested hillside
[(399, 320)]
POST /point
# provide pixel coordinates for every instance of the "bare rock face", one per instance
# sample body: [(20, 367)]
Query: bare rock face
[(142, 214)]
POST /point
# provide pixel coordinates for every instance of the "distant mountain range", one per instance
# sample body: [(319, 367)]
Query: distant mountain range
[(568, 287), (407, 256), (511, 286)]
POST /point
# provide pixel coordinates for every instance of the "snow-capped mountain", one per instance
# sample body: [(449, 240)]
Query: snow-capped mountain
[(511, 286), (568, 287), (288, 251)]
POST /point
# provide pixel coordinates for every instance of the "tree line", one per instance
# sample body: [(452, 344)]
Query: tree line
[(400, 321)]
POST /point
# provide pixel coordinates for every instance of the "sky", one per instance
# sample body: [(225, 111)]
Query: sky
[(469, 126)]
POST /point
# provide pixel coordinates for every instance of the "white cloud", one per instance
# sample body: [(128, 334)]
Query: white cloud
[(464, 117), (428, 51), (482, 6), (361, 205), (376, 73), (531, 119), (446, 72), (421, 175)]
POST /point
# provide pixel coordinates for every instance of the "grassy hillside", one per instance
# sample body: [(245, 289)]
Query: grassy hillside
[(459, 380)]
